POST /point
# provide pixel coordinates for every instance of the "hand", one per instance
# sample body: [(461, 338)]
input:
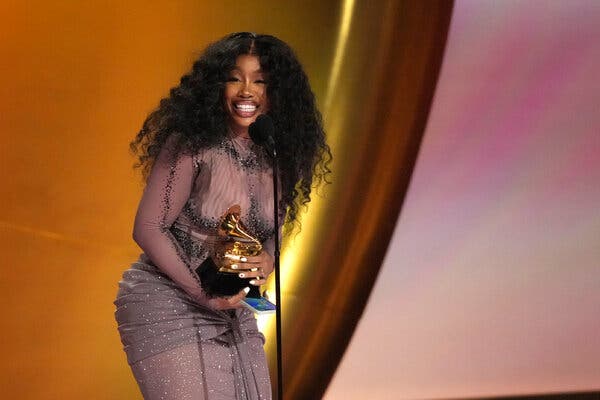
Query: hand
[(226, 303), (256, 268)]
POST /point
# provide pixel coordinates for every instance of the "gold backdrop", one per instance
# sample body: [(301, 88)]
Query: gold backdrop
[(78, 79)]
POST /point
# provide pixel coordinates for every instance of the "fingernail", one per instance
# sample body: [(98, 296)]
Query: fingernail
[(246, 290), (243, 259), (234, 266), (242, 275), (253, 282), (254, 269)]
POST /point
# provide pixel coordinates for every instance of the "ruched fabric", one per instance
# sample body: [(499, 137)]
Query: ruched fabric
[(155, 315)]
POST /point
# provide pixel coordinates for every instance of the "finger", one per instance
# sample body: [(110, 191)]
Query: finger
[(243, 266), (258, 282), (234, 257), (249, 259), (236, 262), (242, 294), (251, 273), (234, 300)]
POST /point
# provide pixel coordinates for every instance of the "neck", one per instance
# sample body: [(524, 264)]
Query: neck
[(240, 133)]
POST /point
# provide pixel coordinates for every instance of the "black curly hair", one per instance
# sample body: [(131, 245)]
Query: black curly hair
[(192, 116)]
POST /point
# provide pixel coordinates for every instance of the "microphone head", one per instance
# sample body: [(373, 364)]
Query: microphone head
[(262, 130)]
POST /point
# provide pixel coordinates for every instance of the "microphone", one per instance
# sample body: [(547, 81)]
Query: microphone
[(262, 131)]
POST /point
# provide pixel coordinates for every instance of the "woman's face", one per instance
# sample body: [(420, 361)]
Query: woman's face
[(245, 95)]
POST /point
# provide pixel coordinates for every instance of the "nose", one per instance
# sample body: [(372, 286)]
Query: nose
[(245, 90)]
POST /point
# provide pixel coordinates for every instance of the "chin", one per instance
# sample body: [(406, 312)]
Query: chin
[(243, 123)]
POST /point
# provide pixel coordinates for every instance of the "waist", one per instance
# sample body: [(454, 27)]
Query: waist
[(144, 263), (196, 234)]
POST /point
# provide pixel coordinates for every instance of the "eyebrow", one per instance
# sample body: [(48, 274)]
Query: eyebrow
[(258, 71)]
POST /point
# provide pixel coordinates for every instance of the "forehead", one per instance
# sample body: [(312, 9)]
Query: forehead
[(247, 63)]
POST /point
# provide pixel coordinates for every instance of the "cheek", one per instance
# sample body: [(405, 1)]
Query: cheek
[(226, 102), (226, 96), (264, 99)]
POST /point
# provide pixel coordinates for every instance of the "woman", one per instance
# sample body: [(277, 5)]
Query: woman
[(198, 160)]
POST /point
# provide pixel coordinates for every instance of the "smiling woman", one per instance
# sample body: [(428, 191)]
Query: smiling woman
[(245, 94), (182, 341)]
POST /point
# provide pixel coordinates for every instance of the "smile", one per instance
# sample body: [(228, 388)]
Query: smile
[(245, 107)]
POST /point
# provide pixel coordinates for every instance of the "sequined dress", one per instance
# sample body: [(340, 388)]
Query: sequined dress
[(177, 346)]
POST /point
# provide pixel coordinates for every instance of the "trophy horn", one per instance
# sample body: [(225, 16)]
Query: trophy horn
[(238, 240), (216, 275), (231, 226)]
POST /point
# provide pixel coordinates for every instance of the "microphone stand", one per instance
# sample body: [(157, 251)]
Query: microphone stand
[(277, 274), (262, 131)]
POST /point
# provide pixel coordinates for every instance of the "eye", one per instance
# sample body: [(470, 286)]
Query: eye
[(233, 79), (261, 81)]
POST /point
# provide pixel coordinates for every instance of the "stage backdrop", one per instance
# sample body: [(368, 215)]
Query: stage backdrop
[(79, 78), (491, 283)]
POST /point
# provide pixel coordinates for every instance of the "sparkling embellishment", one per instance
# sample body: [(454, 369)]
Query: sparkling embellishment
[(177, 348)]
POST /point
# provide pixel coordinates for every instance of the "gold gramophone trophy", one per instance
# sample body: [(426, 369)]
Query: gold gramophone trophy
[(217, 277)]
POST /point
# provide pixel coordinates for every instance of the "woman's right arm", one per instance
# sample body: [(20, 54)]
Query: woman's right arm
[(167, 190)]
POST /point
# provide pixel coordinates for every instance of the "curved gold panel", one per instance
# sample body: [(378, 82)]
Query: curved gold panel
[(376, 113)]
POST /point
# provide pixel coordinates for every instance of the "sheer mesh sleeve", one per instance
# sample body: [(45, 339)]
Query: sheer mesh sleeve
[(167, 190), (269, 246)]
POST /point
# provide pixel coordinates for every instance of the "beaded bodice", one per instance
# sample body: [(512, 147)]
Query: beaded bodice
[(186, 196)]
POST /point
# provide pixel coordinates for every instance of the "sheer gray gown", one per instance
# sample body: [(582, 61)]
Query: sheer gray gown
[(177, 346)]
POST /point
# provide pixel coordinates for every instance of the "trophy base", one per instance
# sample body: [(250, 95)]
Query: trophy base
[(222, 284)]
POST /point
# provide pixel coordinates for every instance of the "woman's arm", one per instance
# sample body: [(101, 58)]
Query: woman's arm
[(167, 190)]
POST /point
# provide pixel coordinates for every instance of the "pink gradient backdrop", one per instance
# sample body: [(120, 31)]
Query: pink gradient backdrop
[(491, 285)]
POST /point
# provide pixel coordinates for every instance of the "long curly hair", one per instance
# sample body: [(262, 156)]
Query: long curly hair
[(192, 116)]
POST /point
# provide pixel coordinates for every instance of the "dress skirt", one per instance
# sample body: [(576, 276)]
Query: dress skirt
[(168, 336)]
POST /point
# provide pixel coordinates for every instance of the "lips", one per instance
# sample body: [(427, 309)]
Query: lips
[(245, 109)]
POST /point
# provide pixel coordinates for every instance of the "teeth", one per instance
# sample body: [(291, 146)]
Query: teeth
[(246, 107)]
